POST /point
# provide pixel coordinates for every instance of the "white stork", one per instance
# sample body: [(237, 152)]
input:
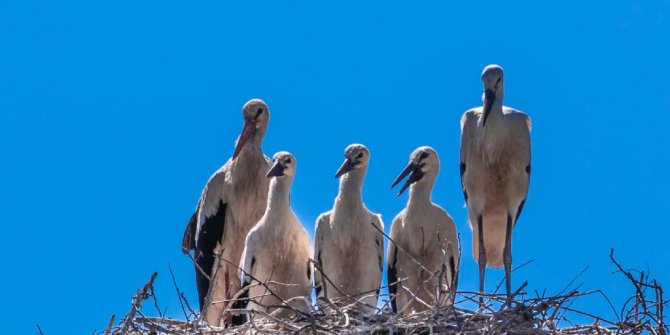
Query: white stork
[(231, 203), (495, 173), (276, 264), (423, 261), (347, 246)]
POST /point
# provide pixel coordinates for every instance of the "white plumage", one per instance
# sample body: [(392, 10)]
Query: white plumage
[(424, 259), (278, 249), (495, 173), (231, 203), (347, 246)]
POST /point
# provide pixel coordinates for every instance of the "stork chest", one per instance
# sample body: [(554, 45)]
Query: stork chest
[(350, 225), (421, 235), (247, 198)]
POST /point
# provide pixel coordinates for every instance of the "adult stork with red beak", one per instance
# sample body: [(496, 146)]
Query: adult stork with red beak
[(233, 201), (495, 173)]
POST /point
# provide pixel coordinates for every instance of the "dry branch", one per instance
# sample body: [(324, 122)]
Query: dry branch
[(142, 294)]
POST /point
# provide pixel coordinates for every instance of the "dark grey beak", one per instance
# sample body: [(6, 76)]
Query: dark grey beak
[(489, 98), (347, 166), (416, 175), (277, 170)]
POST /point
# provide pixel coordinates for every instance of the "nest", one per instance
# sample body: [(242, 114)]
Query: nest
[(526, 313)]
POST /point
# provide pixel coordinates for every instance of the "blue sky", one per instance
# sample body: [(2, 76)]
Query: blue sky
[(113, 114)]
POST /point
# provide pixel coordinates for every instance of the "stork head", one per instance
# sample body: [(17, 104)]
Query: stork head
[(284, 165), (492, 78), (423, 163), (356, 157), (256, 116)]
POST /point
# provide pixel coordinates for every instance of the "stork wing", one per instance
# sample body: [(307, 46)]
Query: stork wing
[(322, 222), (188, 239), (248, 264), (522, 127), (525, 126), (468, 128), (209, 225), (379, 241)]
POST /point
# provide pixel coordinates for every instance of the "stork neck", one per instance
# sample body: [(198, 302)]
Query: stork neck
[(420, 193), (252, 149), (496, 111), (351, 185), (279, 195)]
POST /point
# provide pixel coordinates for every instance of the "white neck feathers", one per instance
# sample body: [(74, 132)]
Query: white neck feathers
[(280, 192)]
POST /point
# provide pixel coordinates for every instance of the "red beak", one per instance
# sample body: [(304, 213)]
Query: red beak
[(247, 132)]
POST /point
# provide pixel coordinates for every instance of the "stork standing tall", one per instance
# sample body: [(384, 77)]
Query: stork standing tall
[(495, 173), (278, 250), (424, 272), (231, 203), (347, 245)]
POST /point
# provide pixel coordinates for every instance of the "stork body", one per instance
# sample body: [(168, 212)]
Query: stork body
[(347, 246), (231, 203), (277, 250), (495, 173), (423, 261)]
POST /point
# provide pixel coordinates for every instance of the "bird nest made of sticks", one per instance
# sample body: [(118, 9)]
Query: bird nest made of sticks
[(527, 313)]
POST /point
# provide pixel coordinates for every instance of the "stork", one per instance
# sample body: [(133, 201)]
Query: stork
[(231, 203), (495, 174), (347, 246), (423, 253), (276, 264)]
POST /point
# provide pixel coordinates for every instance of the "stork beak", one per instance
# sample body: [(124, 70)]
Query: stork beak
[(247, 132), (489, 98), (277, 170), (416, 175), (347, 166)]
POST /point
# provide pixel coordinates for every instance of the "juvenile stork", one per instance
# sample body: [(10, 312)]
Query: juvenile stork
[(347, 246), (275, 262), (495, 172), (231, 203), (423, 261)]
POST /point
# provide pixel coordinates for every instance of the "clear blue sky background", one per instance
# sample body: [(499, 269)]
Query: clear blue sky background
[(113, 114)]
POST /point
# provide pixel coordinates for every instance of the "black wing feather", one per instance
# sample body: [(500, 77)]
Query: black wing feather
[(318, 281), (465, 193), (209, 235), (454, 276), (188, 239), (378, 241), (243, 300)]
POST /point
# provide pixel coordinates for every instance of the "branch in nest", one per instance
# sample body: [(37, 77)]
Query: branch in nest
[(142, 294)]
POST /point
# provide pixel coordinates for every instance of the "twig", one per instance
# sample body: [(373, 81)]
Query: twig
[(141, 295), (180, 295), (630, 277), (110, 324)]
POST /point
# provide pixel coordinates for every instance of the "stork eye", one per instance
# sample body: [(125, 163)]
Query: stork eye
[(259, 112), (424, 155), (288, 161), (360, 155)]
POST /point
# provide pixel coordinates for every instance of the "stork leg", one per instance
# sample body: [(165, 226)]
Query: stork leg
[(507, 258), (481, 259)]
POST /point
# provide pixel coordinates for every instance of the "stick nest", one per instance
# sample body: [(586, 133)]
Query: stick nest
[(536, 313)]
